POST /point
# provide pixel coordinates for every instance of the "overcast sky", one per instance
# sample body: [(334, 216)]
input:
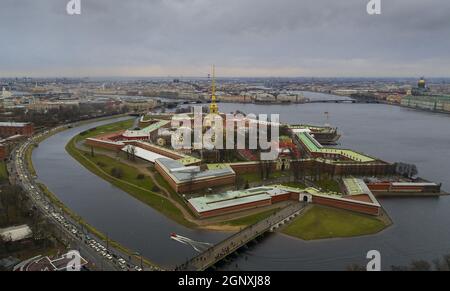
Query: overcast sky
[(317, 38)]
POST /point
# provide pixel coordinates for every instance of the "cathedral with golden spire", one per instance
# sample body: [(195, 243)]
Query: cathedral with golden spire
[(213, 107)]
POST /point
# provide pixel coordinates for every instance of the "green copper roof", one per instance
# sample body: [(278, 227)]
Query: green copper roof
[(316, 147)]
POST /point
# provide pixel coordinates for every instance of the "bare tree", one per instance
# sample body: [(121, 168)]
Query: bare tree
[(131, 152)]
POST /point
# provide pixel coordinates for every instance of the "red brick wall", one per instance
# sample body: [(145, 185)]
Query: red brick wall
[(158, 150), (361, 208), (295, 196), (280, 198), (387, 187), (3, 152), (411, 188), (361, 197), (6, 131), (244, 168), (204, 184), (166, 177), (103, 145), (379, 186), (232, 208)]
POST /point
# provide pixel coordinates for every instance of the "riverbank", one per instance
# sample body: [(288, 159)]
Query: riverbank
[(53, 198)]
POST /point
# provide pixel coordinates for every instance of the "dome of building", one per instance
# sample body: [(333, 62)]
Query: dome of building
[(422, 83)]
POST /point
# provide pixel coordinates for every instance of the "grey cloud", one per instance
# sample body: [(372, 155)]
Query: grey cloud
[(315, 37)]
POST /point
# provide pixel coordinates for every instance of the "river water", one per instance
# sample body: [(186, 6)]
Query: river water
[(112, 211), (421, 225)]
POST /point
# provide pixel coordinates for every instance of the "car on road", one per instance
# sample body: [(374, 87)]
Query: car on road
[(121, 261)]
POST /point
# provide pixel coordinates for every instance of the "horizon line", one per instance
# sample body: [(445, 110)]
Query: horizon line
[(226, 77)]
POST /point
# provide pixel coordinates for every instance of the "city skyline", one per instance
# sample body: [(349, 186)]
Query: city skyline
[(243, 38)]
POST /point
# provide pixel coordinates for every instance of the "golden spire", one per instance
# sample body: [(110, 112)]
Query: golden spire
[(213, 108)]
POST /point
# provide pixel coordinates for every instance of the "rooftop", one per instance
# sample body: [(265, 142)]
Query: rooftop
[(316, 147), (188, 175), (14, 124), (234, 198), (183, 158), (143, 153), (147, 130), (355, 186), (15, 233)]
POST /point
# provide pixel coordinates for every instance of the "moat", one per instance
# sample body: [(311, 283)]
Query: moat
[(391, 133)]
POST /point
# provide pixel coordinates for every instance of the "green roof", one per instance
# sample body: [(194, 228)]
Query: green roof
[(234, 198), (309, 190), (315, 147), (324, 129), (217, 166), (354, 186), (155, 126), (309, 142), (188, 160)]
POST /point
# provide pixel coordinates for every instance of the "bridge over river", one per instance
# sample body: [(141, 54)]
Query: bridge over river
[(332, 101), (228, 246)]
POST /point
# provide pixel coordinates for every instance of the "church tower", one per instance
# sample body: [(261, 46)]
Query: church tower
[(213, 108)]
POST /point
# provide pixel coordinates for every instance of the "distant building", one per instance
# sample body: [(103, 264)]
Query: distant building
[(290, 98), (7, 144), (421, 98), (44, 106), (439, 103), (6, 94), (15, 233), (140, 104), (421, 88), (394, 99), (8, 129), (264, 97)]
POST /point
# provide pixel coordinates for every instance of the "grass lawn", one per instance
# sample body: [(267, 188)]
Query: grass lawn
[(3, 172), (251, 219), (322, 222), (295, 185), (29, 160), (328, 185), (107, 128), (130, 174), (256, 177)]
